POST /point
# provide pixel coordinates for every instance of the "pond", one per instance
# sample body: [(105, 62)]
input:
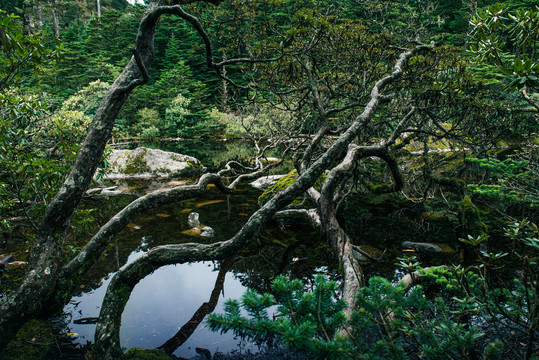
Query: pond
[(163, 302), (168, 307)]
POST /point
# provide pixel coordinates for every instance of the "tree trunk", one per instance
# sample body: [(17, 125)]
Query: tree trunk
[(107, 335), (40, 281), (55, 24)]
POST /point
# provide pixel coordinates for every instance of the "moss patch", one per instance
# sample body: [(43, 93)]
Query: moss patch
[(34, 341), (136, 164), (471, 218), (280, 185)]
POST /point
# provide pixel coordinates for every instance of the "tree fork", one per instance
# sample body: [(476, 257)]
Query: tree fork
[(40, 281), (107, 336)]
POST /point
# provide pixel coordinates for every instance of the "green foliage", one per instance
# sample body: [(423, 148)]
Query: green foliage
[(508, 41), (21, 158), (37, 152), (19, 52), (387, 322), (67, 129), (87, 99), (512, 180), (37, 149), (36, 340), (149, 123), (257, 121), (178, 116), (307, 319), (391, 320)]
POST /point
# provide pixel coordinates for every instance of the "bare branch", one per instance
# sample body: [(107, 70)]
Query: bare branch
[(107, 343), (310, 215)]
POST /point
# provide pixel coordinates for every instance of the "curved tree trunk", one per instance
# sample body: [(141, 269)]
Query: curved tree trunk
[(338, 239), (107, 336), (40, 281)]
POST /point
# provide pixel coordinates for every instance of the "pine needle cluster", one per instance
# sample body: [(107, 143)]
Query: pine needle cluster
[(390, 323)]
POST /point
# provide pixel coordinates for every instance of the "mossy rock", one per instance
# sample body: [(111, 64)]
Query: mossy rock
[(280, 185), (34, 341), (147, 163), (136, 164), (137, 353), (443, 215)]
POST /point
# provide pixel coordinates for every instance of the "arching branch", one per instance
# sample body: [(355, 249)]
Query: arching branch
[(107, 343)]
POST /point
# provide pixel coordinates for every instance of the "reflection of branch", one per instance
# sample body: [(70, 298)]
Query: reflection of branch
[(95, 247), (107, 335), (207, 307)]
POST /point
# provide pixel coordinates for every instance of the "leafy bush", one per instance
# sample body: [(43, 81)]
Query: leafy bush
[(260, 121), (510, 179), (149, 124), (393, 321), (87, 100)]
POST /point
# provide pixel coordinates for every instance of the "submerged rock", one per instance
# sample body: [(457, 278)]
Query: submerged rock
[(202, 231), (422, 246), (150, 163), (193, 220), (196, 228), (207, 232)]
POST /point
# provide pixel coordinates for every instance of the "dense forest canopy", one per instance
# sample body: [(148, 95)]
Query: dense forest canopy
[(425, 101)]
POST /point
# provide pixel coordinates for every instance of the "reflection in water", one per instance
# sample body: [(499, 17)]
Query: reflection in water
[(164, 301), (159, 304), (207, 307)]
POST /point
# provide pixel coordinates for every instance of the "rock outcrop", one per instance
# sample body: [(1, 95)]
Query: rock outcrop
[(145, 163)]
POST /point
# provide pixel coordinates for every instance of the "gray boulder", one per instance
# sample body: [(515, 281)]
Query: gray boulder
[(151, 163), (207, 232), (422, 246)]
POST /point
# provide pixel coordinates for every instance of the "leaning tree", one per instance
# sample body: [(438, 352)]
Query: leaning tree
[(355, 98)]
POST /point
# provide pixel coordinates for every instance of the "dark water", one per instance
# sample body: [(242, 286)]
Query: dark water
[(164, 301)]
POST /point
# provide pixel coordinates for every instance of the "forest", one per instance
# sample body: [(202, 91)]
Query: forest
[(399, 139)]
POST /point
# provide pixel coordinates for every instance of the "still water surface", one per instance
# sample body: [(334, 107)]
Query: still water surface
[(159, 306), (165, 300)]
